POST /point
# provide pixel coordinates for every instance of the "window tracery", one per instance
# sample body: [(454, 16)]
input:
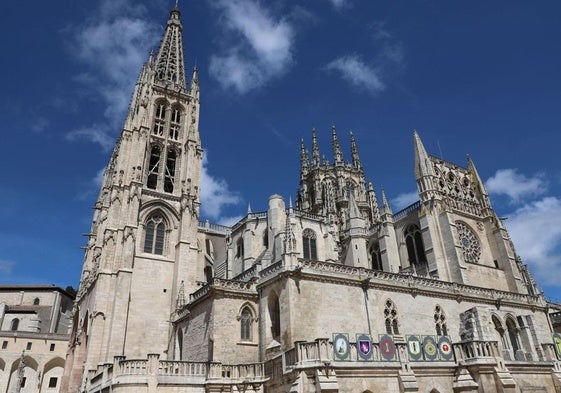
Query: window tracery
[(155, 235), (309, 244), (376, 256), (469, 243), (440, 321), (415, 246), (246, 324), (391, 318)]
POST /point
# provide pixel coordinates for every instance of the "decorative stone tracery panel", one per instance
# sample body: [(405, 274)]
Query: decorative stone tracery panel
[(469, 242)]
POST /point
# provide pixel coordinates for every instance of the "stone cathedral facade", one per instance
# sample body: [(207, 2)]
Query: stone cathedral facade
[(334, 294)]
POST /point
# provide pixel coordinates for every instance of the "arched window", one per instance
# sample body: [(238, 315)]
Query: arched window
[(154, 167), (208, 274), (391, 319), (36, 301), (440, 321), (159, 119), (169, 178), (180, 343), (154, 235), (415, 247), (376, 256), (274, 315), (15, 324), (309, 244), (175, 123), (512, 335), (246, 324), (239, 249)]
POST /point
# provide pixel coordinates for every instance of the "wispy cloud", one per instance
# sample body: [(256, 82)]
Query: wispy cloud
[(40, 124), (357, 73), (403, 200), (216, 195), (264, 51), (112, 44), (6, 266), (95, 133), (516, 185), (536, 233), (341, 4)]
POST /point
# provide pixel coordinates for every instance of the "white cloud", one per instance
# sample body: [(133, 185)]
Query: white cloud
[(536, 233), (112, 45), (515, 185), (6, 266), (353, 70), (403, 200), (340, 4), (215, 196), (95, 133), (264, 52)]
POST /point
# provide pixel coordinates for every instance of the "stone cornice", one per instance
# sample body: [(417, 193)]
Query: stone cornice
[(406, 283)]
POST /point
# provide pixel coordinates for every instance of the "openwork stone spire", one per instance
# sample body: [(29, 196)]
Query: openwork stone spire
[(304, 160), (315, 149), (169, 62), (337, 155), (354, 153)]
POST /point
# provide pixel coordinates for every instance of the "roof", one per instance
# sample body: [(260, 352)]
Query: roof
[(35, 287)]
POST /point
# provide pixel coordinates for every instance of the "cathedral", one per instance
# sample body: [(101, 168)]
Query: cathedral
[(332, 293)]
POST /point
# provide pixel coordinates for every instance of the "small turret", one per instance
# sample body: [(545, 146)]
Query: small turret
[(304, 161), (195, 88), (337, 154), (423, 165), (373, 203), (315, 149), (354, 153), (387, 214)]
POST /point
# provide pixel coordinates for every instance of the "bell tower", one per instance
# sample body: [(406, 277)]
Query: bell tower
[(142, 247)]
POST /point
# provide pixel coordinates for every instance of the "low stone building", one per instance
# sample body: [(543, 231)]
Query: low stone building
[(334, 294), (35, 326)]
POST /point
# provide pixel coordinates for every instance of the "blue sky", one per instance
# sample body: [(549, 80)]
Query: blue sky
[(477, 78)]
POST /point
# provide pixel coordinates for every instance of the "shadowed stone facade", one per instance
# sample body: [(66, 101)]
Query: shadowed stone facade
[(334, 294)]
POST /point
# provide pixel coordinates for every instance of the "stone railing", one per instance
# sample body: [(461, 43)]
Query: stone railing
[(214, 227), (303, 214), (249, 217), (471, 350), (406, 211), (419, 284), (122, 370)]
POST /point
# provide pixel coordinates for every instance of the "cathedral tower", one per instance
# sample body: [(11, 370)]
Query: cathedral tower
[(142, 247)]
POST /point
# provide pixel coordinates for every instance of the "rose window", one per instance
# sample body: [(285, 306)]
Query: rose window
[(469, 243)]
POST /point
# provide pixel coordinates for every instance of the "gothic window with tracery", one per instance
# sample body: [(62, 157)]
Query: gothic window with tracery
[(376, 256), (440, 322), (391, 318), (246, 324), (415, 247), (169, 176), (175, 123), (512, 335), (469, 243), (274, 315), (155, 235), (154, 167), (159, 119), (309, 244)]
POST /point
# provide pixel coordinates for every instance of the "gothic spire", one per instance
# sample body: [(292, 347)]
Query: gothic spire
[(170, 65), (373, 201), (195, 88), (481, 185), (315, 149), (337, 155), (423, 165), (354, 153), (387, 213), (304, 160)]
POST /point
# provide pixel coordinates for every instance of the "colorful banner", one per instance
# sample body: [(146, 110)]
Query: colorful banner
[(414, 348), (364, 347), (341, 346), (430, 348), (445, 348), (388, 350)]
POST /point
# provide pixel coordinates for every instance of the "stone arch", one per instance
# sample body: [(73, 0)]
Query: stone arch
[(52, 374), (29, 372)]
